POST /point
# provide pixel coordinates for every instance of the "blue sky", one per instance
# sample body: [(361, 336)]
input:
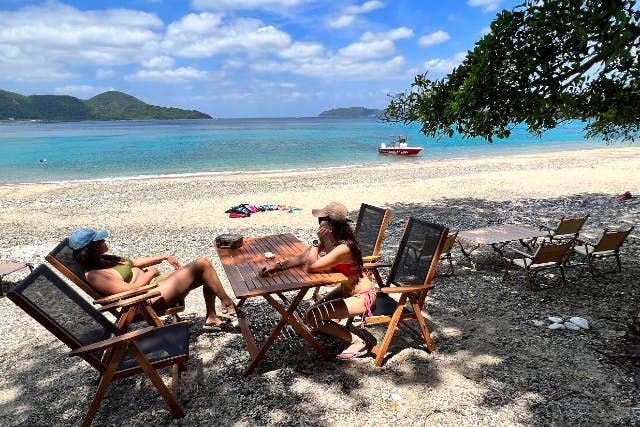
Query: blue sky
[(237, 58)]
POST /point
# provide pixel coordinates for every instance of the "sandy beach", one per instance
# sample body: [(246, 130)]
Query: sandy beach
[(493, 366)]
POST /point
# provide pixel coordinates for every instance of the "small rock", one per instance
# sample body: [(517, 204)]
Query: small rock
[(557, 326), (572, 326), (396, 397), (555, 319), (583, 323), (538, 322)]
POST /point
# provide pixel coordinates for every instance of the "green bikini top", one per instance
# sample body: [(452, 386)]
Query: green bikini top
[(125, 270)]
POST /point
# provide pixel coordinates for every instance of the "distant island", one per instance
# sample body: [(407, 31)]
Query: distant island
[(352, 112), (112, 105)]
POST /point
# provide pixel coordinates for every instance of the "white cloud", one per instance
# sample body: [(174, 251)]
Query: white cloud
[(434, 38), (177, 75), (364, 8), (446, 65), (341, 21), (55, 37), (159, 62), (372, 49), (203, 35), (487, 5)]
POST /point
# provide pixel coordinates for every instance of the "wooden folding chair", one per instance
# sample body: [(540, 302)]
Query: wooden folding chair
[(63, 312), (567, 229), (548, 256), (410, 278), (61, 257), (607, 247)]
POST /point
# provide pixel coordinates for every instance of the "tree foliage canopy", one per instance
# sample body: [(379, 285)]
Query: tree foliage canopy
[(543, 62)]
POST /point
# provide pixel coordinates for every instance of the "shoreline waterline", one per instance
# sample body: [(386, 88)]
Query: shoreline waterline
[(394, 163)]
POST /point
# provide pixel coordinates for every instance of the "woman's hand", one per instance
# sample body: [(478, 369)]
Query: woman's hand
[(171, 260), (268, 269)]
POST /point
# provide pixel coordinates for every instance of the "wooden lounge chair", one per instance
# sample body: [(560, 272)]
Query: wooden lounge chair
[(567, 229), (548, 256), (410, 280), (63, 312), (370, 227), (61, 257), (9, 268), (608, 246)]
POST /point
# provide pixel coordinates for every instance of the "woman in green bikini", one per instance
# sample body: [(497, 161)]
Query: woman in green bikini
[(110, 274)]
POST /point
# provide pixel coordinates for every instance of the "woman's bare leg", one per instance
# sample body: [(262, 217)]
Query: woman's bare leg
[(190, 276), (320, 317)]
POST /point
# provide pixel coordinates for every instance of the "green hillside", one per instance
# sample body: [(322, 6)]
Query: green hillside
[(351, 112), (111, 105)]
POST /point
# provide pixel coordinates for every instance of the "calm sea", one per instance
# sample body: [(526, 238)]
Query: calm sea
[(45, 152)]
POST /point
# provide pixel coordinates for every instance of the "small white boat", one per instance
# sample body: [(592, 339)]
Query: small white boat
[(398, 146)]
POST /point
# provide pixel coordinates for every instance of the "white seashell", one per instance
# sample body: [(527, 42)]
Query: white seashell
[(555, 319), (557, 326), (583, 323), (538, 322), (572, 326)]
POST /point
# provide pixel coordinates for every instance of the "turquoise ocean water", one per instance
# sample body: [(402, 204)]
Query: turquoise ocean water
[(147, 149)]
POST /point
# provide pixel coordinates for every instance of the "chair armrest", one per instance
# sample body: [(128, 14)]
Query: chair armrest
[(373, 265), (126, 294), (129, 301), (110, 342), (370, 258), (404, 289)]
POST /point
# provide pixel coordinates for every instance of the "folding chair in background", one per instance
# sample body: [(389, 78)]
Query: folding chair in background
[(548, 256), (61, 257), (567, 229), (9, 268), (410, 278), (47, 298), (608, 246)]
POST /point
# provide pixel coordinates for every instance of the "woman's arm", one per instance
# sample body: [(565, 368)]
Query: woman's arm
[(155, 260), (341, 254)]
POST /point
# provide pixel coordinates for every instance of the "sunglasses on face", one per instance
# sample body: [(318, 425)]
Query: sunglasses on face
[(323, 218)]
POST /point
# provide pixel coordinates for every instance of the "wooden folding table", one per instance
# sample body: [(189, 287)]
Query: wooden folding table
[(242, 267), (496, 236)]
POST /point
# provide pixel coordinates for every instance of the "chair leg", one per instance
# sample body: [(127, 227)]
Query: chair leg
[(105, 381), (381, 350), (426, 335), (152, 374)]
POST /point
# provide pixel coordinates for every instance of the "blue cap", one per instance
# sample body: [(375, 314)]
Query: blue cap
[(83, 236)]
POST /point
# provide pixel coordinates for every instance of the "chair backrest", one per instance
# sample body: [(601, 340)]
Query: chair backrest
[(370, 228), (62, 311), (549, 252), (448, 243), (570, 226), (409, 268), (61, 257), (611, 240)]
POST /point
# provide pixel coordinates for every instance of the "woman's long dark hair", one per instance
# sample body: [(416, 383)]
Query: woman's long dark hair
[(90, 259), (345, 234)]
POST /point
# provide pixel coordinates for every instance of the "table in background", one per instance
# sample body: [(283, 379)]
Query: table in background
[(242, 267), (496, 236)]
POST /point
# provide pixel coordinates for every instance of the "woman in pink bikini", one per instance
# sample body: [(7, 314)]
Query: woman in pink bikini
[(110, 274), (342, 253)]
